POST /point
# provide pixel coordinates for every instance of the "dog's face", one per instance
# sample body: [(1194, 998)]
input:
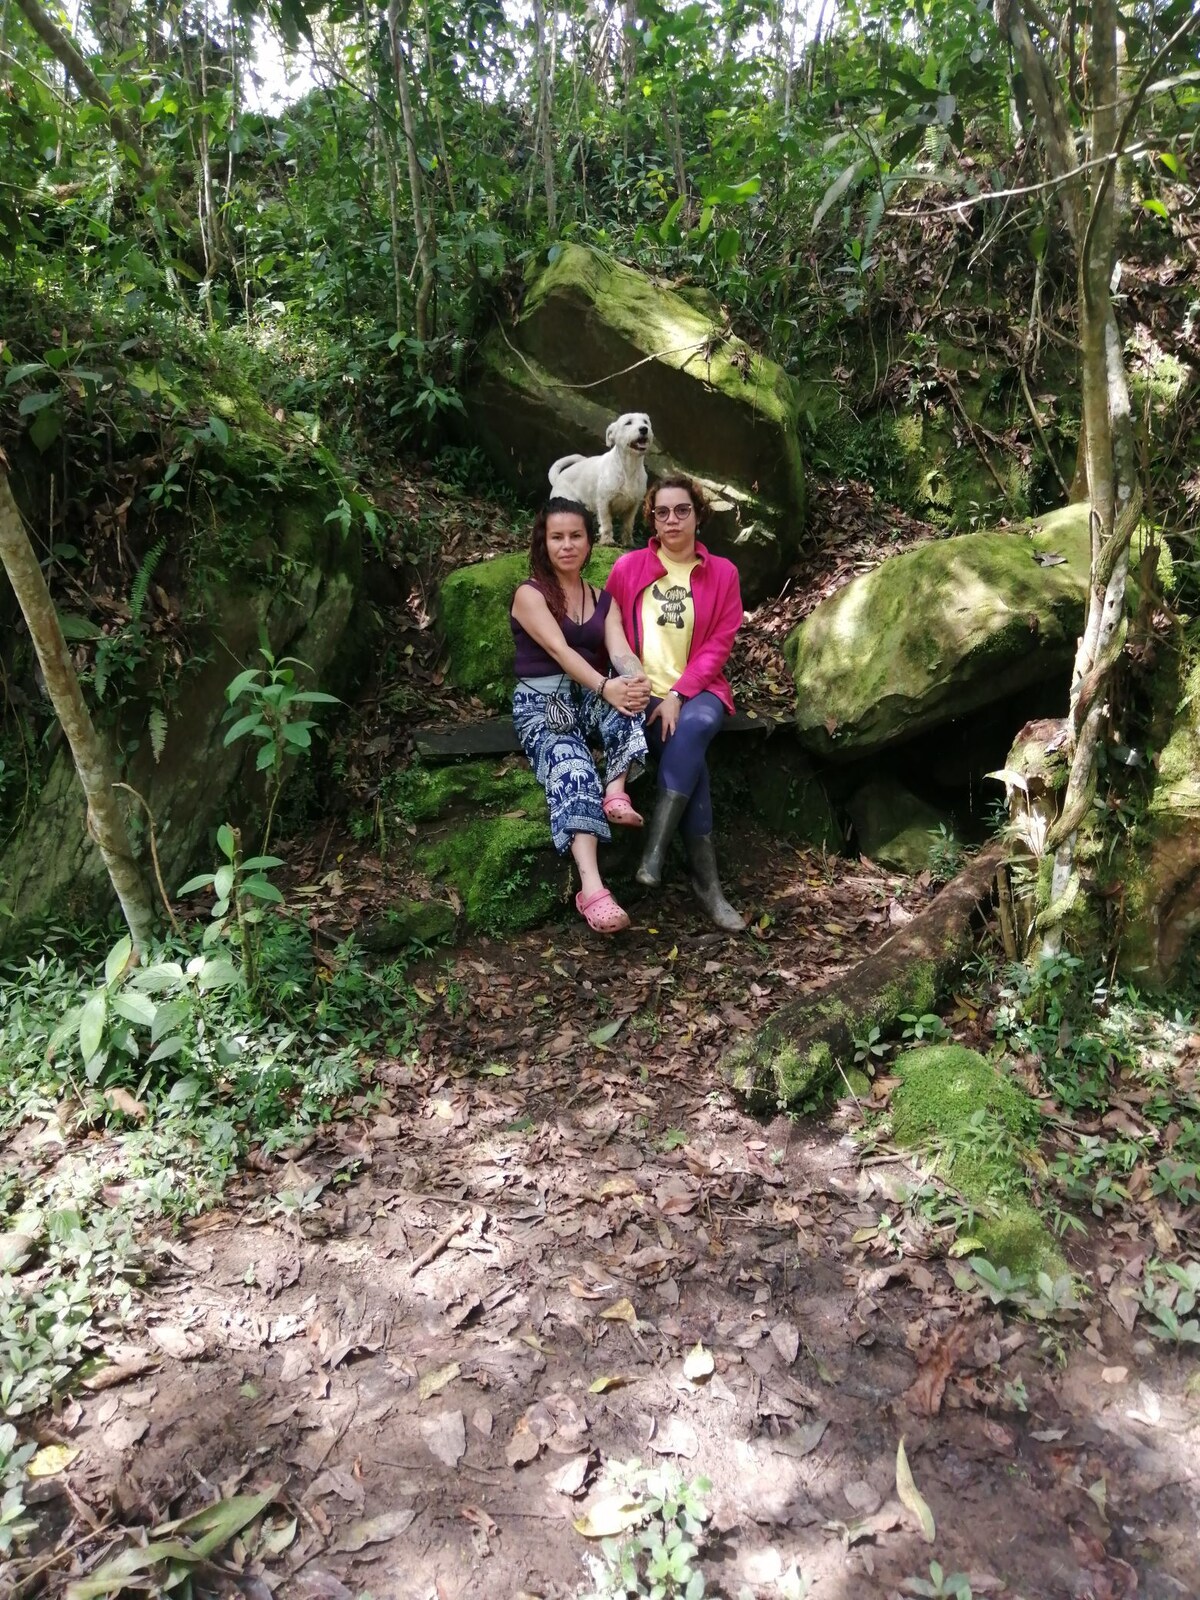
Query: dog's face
[(630, 432)]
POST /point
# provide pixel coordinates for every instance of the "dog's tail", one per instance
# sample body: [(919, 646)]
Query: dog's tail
[(561, 466)]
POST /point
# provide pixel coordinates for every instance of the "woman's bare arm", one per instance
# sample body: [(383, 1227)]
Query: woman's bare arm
[(531, 611)]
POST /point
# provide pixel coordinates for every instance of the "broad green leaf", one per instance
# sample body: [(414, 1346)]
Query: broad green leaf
[(134, 1007), (203, 881), (218, 429), (608, 1031), (33, 403), (114, 1575), (264, 862), (262, 889), (728, 243), (217, 1524), (226, 842), (1158, 209), (837, 189), (242, 726), (117, 959), (216, 972), (76, 628), (91, 1024), (163, 1052), (223, 882)]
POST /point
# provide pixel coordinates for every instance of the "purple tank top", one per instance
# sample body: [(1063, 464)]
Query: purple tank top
[(586, 637)]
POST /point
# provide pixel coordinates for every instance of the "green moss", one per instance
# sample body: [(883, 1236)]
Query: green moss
[(424, 794), (502, 867), (938, 632), (984, 1126), (473, 606)]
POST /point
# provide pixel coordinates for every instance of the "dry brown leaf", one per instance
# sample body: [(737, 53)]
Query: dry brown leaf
[(620, 1311), (179, 1343), (434, 1382), (911, 1497), (524, 1446), (698, 1364), (445, 1436), (570, 1477), (677, 1438)]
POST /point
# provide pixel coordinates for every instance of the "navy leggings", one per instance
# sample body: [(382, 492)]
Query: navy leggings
[(682, 767)]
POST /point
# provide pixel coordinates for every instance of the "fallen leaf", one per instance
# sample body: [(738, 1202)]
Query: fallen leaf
[(910, 1496), (698, 1364), (374, 1530), (609, 1515), (678, 1438), (434, 1382), (785, 1336), (569, 1479), (482, 1421), (1048, 1435), (580, 1291), (51, 1459), (609, 1031), (1114, 1374), (179, 1343), (604, 1384), (121, 1100), (803, 1441), (523, 1446), (445, 1436), (620, 1311)]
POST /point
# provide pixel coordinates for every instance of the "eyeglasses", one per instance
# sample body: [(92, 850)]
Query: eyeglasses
[(674, 513)]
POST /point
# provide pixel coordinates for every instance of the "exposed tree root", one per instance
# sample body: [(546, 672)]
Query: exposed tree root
[(796, 1054)]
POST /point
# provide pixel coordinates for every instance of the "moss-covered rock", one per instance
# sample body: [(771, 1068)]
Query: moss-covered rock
[(938, 632), (484, 830), (473, 609), (1162, 865), (983, 1127), (894, 827), (596, 338), (301, 604)]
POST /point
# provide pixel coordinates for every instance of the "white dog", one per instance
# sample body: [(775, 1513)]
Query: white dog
[(613, 484)]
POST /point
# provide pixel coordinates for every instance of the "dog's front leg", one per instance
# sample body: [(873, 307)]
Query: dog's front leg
[(604, 519), (627, 522)]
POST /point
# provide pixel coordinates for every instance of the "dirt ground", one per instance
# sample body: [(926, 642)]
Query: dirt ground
[(434, 1327)]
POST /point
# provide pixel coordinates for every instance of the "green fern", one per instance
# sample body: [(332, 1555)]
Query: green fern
[(158, 731), (141, 583)]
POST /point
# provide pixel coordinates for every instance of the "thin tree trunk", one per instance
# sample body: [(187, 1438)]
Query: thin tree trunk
[(443, 152), (105, 820), (422, 220), (544, 137)]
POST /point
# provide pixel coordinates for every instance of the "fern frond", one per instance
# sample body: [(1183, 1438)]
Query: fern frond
[(141, 583), (158, 731)]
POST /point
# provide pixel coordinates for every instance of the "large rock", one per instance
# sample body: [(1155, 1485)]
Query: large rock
[(473, 607), (301, 604), (938, 632), (596, 338), (1162, 868)]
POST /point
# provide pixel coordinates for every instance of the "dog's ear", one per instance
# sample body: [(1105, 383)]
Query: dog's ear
[(610, 435)]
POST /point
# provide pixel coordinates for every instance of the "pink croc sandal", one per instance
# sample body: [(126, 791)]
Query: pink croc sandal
[(602, 913), (618, 808)]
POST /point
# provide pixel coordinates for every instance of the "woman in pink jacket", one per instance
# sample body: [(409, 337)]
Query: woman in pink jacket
[(681, 607)]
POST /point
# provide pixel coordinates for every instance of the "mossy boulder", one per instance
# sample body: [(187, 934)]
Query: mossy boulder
[(482, 829), (596, 338), (938, 632), (983, 1127), (1162, 867), (301, 604), (773, 780), (894, 826), (473, 608)]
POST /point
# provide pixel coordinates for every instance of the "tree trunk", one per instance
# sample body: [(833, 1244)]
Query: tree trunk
[(544, 136), (422, 219), (795, 1056), (105, 820)]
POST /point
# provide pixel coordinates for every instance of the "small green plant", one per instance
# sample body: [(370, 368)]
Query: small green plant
[(1170, 1293), (924, 1028), (14, 1524), (946, 854), (277, 717), (939, 1583), (240, 889), (657, 1559), (870, 1050)]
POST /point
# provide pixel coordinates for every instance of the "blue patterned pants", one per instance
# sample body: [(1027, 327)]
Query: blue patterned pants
[(562, 761)]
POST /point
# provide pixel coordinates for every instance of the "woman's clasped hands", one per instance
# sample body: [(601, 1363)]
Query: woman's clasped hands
[(630, 696)]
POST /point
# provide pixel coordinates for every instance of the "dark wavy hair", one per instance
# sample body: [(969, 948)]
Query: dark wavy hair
[(701, 504), (540, 569)]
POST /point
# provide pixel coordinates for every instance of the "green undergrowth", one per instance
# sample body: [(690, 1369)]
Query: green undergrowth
[(983, 1128), (136, 1094)]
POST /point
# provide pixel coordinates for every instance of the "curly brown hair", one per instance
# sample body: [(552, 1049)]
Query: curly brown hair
[(540, 568), (701, 504)]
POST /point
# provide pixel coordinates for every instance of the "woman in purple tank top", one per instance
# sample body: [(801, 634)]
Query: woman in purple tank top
[(568, 637)]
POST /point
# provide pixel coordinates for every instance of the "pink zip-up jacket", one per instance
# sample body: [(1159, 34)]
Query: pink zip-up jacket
[(717, 598)]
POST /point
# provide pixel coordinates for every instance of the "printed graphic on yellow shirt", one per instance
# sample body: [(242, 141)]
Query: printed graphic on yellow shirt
[(673, 602), (668, 618)]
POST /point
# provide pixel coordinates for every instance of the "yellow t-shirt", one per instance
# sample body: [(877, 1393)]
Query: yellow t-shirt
[(668, 617)]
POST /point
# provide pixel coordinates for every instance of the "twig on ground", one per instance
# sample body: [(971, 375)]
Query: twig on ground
[(431, 1252)]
